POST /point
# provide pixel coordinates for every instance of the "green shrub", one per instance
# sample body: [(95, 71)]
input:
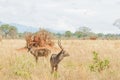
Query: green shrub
[(98, 64), (56, 75)]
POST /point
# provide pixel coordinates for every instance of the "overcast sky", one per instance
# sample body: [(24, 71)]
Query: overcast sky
[(99, 15)]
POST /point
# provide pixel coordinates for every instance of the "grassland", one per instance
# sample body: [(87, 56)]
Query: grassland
[(20, 65)]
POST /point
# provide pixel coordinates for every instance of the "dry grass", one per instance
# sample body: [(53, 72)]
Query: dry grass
[(20, 65)]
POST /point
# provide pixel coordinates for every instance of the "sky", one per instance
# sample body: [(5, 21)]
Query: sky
[(61, 15)]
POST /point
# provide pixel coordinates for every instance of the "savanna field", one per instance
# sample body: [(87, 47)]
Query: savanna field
[(20, 65)]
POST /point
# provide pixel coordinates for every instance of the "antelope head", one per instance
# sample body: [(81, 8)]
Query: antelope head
[(63, 53)]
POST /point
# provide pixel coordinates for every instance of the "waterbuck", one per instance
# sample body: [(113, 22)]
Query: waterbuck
[(56, 58), (38, 52)]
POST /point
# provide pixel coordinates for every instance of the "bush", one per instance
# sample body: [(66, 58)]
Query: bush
[(98, 65), (40, 38)]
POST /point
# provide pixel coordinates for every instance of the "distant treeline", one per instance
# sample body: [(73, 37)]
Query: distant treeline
[(11, 32)]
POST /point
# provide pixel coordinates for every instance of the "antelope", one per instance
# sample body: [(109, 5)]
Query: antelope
[(55, 59), (38, 52)]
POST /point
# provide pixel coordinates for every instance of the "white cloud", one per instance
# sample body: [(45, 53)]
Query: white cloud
[(62, 14), (64, 24)]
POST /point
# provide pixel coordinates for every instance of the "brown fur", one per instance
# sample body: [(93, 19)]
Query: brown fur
[(38, 52)]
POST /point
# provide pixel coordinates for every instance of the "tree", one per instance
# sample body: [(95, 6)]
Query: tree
[(78, 34), (7, 30), (84, 29), (117, 23), (82, 32), (68, 34), (100, 35), (59, 35), (12, 31)]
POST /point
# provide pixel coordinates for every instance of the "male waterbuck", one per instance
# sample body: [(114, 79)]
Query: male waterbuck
[(38, 52), (56, 58)]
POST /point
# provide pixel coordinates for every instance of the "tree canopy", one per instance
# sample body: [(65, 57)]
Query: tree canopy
[(68, 34), (8, 30)]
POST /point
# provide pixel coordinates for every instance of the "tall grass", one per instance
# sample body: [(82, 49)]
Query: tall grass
[(20, 65)]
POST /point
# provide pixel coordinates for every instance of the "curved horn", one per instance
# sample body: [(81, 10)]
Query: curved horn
[(59, 44)]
